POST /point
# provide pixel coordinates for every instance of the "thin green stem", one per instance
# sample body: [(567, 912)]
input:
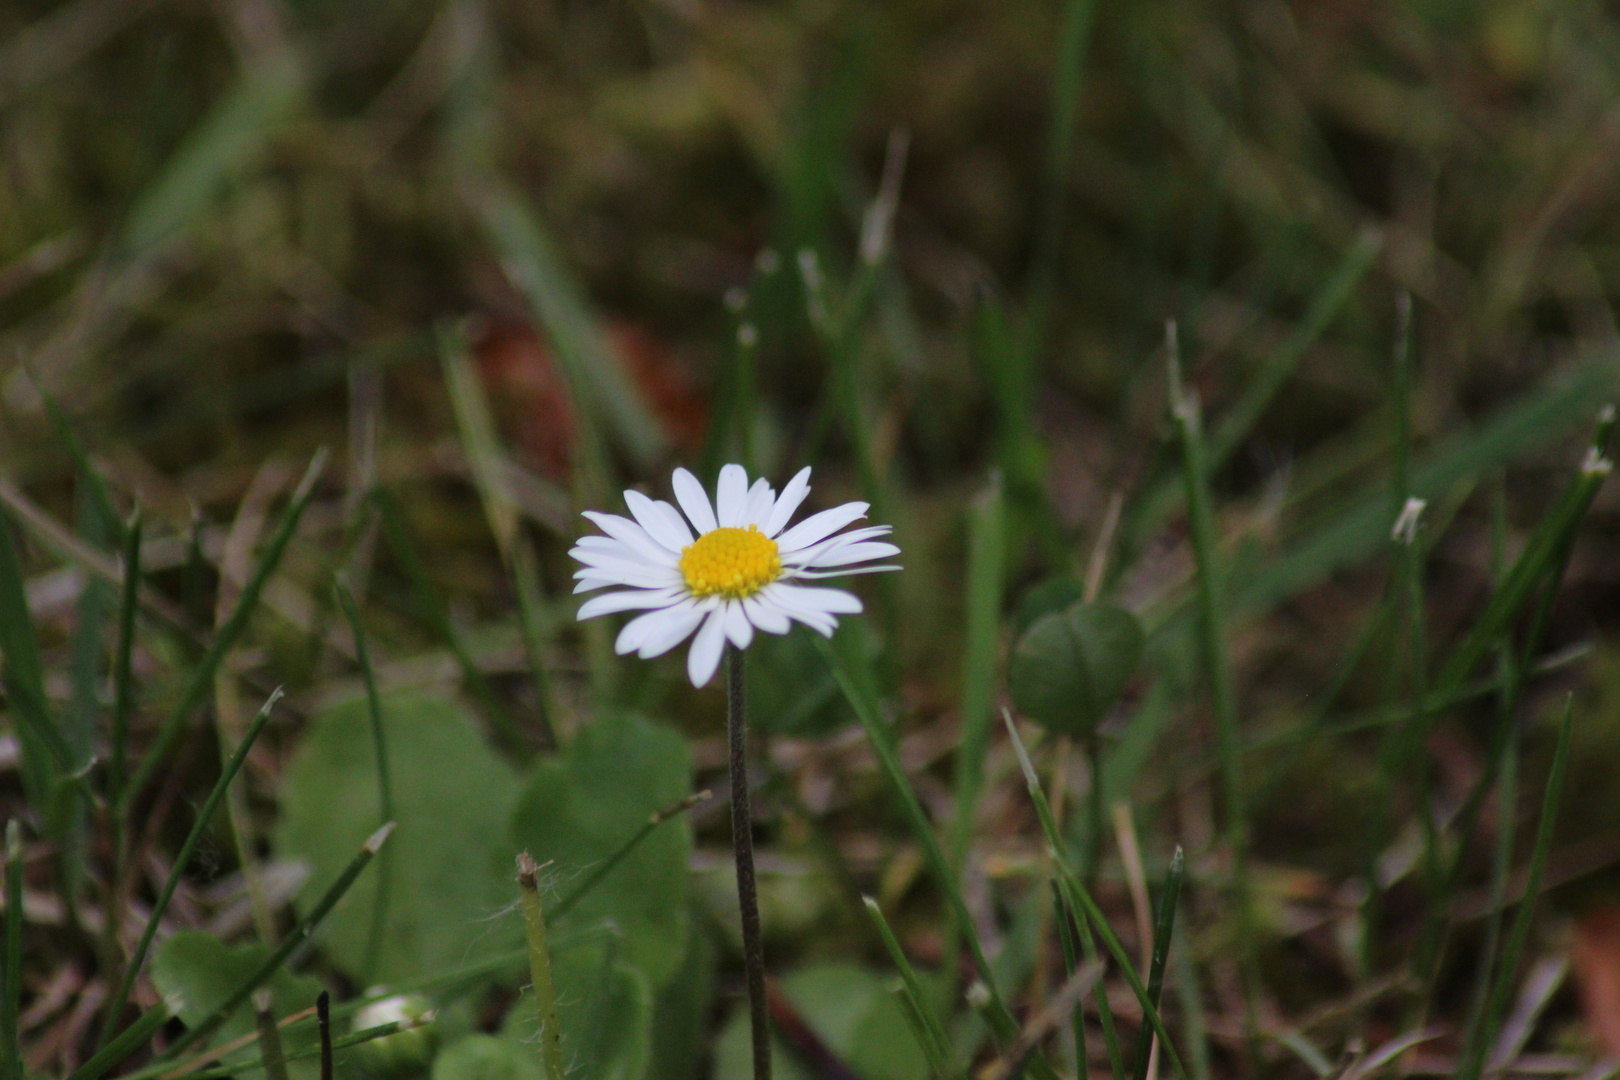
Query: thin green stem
[(271, 1055), (1185, 414), (545, 993), (132, 970), (1067, 929), (385, 787), (1079, 897), (742, 845), (606, 867), (323, 1016), (120, 1048), (1163, 927), (432, 608), (300, 934), (930, 1033), (1474, 1062), (881, 740), (202, 677), (123, 678)]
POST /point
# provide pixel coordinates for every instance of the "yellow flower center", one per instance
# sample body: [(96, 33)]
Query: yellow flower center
[(732, 562)]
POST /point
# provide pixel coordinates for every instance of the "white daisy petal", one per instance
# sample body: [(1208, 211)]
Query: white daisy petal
[(629, 600), (674, 632), (766, 617), (787, 502), (664, 624), (704, 655), (615, 555), (845, 554), (783, 598), (730, 495), (808, 556), (632, 536), (811, 598), (817, 527), (694, 501), (662, 521), (757, 508), (738, 629), (639, 577)]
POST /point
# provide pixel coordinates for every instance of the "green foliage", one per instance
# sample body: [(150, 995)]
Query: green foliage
[(486, 1057), (850, 1010), (582, 805), (453, 799), (1071, 667), (604, 1008), (195, 973)]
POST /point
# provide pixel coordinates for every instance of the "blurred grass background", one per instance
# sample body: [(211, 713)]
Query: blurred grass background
[(234, 231)]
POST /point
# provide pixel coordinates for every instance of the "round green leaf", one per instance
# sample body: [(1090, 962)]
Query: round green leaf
[(850, 1009), (580, 808), (196, 972), (449, 861), (486, 1057), (1072, 666)]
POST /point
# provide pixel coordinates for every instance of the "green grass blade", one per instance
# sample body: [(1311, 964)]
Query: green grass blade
[(177, 870), (878, 734), (379, 746), (476, 424), (930, 1034), (1067, 924), (108, 1057), (1163, 927), (271, 1055), (356, 1038), (432, 608), (602, 390), (489, 463), (1212, 621), (1045, 261), (1502, 991), (1507, 798), (1278, 367), (11, 1003), (298, 936), (1361, 528), (604, 868), (1192, 1010), (84, 470), (202, 677), (986, 569), (1080, 898), (1543, 551), (44, 750), (123, 672), (229, 137), (1274, 372)]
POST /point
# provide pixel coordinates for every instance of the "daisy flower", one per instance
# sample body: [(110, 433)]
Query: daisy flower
[(726, 569)]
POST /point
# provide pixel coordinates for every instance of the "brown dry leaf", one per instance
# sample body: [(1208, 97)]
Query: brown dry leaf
[(1594, 952)]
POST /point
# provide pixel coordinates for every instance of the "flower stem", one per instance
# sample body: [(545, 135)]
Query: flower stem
[(742, 842)]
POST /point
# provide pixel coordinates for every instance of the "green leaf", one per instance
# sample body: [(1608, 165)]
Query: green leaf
[(604, 1008), (1072, 666), (486, 1057), (680, 1020), (582, 805), (227, 140), (195, 972), (449, 857), (1053, 594), (850, 1010)]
